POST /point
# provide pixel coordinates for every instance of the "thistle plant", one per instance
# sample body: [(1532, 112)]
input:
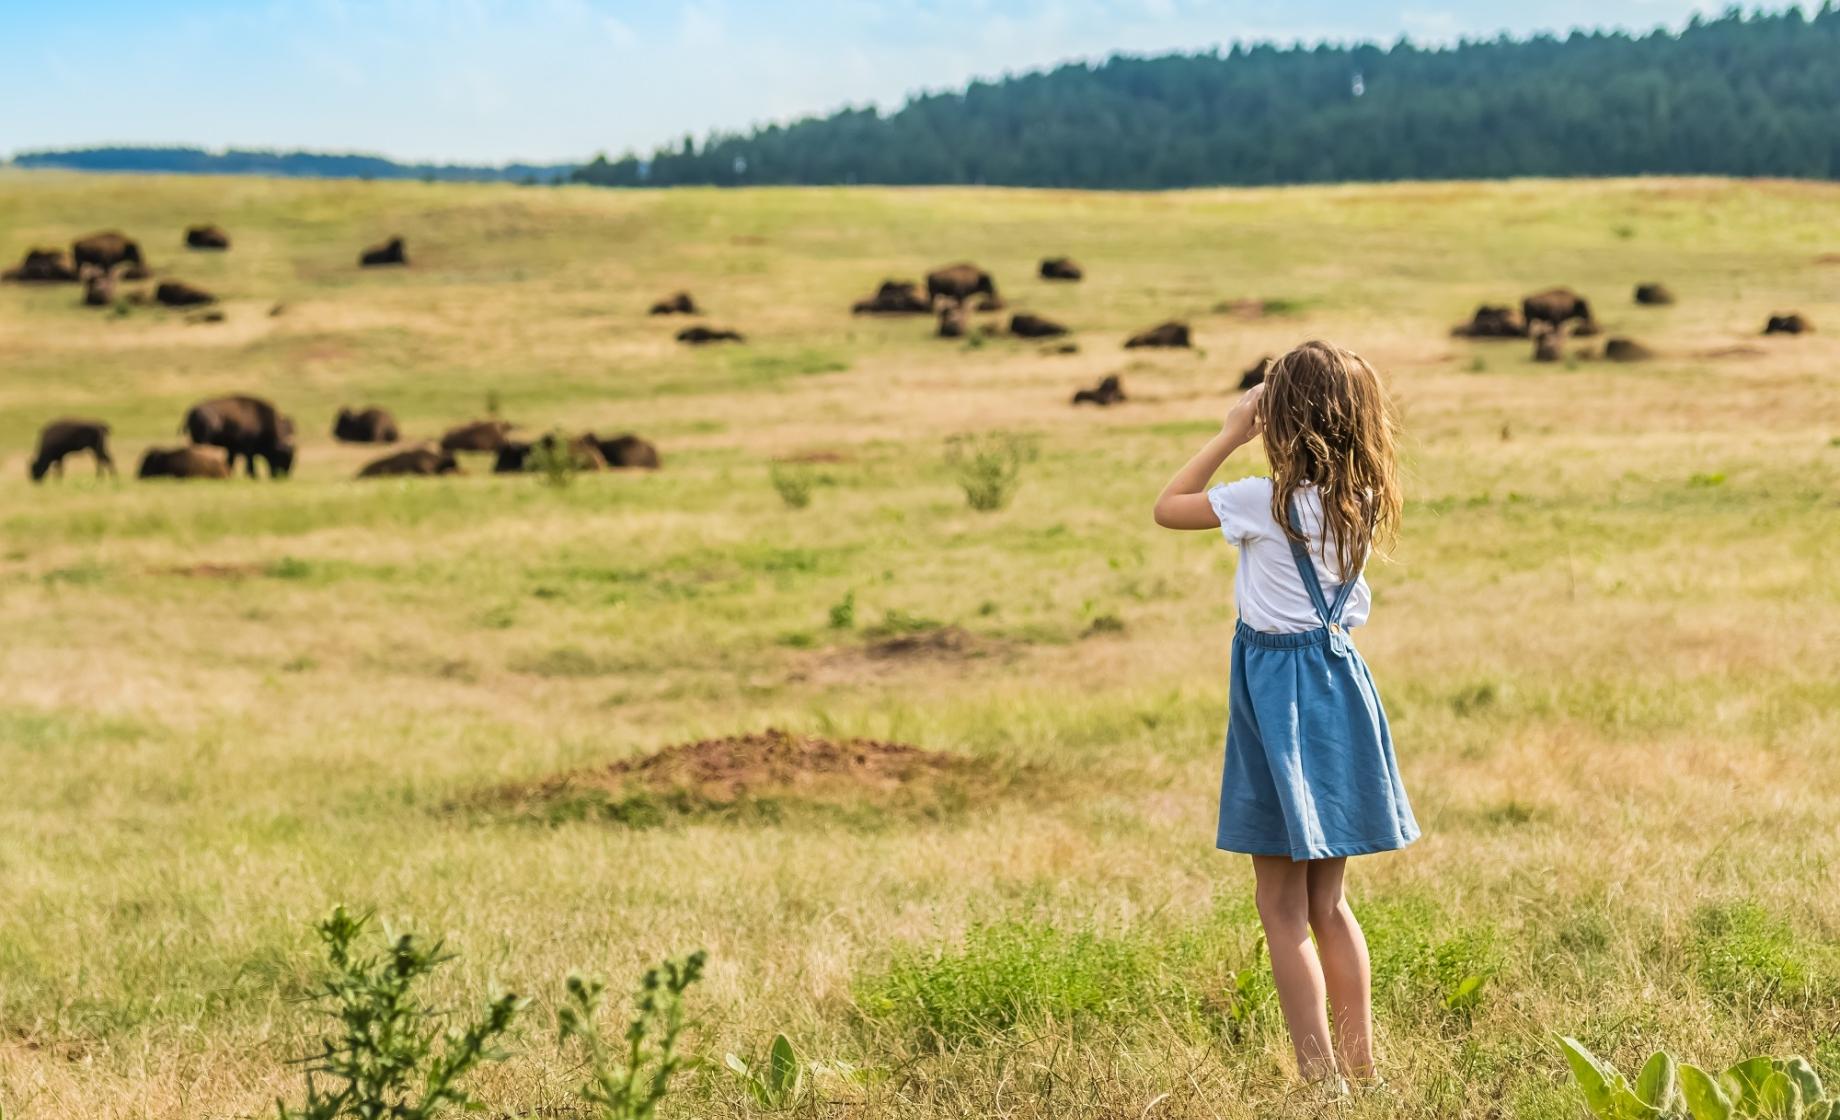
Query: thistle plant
[(628, 1083)]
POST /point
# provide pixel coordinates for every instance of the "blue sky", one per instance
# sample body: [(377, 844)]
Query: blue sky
[(551, 80)]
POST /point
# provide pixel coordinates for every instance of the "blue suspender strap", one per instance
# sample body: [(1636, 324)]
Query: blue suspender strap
[(1330, 615)]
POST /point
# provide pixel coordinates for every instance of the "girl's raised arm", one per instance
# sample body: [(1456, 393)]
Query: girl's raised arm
[(1183, 504)]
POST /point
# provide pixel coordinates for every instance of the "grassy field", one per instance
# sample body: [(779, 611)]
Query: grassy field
[(1609, 641)]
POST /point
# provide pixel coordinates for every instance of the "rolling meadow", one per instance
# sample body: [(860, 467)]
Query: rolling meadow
[(1609, 640)]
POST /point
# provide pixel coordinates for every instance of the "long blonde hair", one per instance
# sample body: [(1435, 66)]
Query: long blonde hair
[(1327, 421)]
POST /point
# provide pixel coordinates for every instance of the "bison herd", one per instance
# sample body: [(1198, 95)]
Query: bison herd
[(1550, 317)]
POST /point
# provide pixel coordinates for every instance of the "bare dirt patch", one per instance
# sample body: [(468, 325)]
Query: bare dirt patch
[(764, 776), (1740, 351), (945, 642)]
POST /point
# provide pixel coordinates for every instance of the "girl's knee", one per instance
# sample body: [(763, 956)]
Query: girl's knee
[(1327, 906)]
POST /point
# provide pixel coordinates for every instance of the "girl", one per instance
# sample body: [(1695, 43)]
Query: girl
[(1310, 777)]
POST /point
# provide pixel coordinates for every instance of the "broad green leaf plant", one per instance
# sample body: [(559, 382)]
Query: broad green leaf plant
[(1757, 1089)]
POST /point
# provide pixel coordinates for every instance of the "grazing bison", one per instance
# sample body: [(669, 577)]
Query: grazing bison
[(42, 266), (1493, 321), (1792, 322), (1548, 345), (1034, 326), (1654, 295), (894, 297), (390, 252), (415, 461), (678, 304), (1166, 334), (105, 251), (1555, 306), (628, 451), (584, 453), (952, 321), (177, 293), (249, 428), (1060, 268), (372, 425), (1626, 350), (182, 462), (206, 237), (67, 437), (700, 336), (959, 282), (1256, 374), (1108, 392), (480, 435), (98, 288)]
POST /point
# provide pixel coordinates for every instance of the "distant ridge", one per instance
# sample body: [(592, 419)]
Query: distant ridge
[(296, 164)]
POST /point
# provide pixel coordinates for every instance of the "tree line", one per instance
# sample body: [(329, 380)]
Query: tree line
[(303, 165)]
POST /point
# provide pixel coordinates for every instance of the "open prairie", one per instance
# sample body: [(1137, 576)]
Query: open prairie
[(1609, 640)]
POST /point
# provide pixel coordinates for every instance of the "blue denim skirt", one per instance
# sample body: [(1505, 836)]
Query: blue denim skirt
[(1310, 772)]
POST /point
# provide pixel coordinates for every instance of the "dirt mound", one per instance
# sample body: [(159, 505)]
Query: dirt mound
[(763, 775), (943, 642)]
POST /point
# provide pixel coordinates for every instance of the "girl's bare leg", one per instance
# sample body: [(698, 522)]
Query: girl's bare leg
[(1342, 949), (1283, 896)]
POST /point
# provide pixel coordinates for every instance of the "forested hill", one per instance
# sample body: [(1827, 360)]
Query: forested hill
[(1757, 95), (304, 165)]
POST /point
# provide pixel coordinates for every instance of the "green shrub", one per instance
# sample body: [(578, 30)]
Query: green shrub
[(553, 460), (989, 466), (843, 612), (793, 482), (1745, 955), (628, 1082), (390, 1058)]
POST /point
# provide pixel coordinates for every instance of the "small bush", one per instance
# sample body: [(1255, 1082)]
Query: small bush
[(989, 466), (628, 1083), (553, 460), (794, 484), (843, 612)]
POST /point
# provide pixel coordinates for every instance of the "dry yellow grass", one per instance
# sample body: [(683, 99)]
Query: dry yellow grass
[(1609, 638)]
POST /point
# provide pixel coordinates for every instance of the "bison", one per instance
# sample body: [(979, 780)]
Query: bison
[(67, 437), (1555, 306), (959, 282), (1108, 392), (1061, 268), (42, 266), (98, 288), (894, 297), (701, 336), (206, 237), (584, 453), (246, 427), (679, 304), (177, 293), (414, 461), (182, 462), (1626, 350), (1172, 333), (1255, 375), (1654, 295), (105, 251), (952, 321), (1548, 345), (390, 252), (1790, 322), (480, 435), (628, 451), (372, 425), (1025, 325), (1493, 321)]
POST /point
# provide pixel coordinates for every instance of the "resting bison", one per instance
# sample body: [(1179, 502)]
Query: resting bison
[(249, 428), (1653, 294), (182, 462), (1256, 374), (1167, 334), (959, 282), (952, 321), (679, 304), (67, 437), (628, 451), (584, 454), (1548, 345), (177, 293), (390, 252), (699, 336), (1060, 268), (105, 251), (1108, 392), (1792, 322), (1034, 326), (416, 460), (42, 266), (98, 288), (1493, 321), (373, 425), (1555, 306), (480, 435), (894, 297), (206, 237), (1626, 350)]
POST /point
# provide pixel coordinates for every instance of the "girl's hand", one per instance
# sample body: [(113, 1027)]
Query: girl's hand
[(1242, 423)]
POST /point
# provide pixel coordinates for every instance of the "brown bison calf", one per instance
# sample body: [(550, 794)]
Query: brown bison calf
[(1166, 334), (182, 462), (1034, 326), (1626, 350), (249, 428), (1654, 295), (894, 297), (1060, 268), (952, 321), (415, 461), (1792, 322), (1548, 344), (679, 304), (1108, 392), (373, 425), (702, 336), (176, 293), (206, 237), (628, 451), (66, 437), (480, 435), (98, 288), (390, 252), (1493, 321)]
